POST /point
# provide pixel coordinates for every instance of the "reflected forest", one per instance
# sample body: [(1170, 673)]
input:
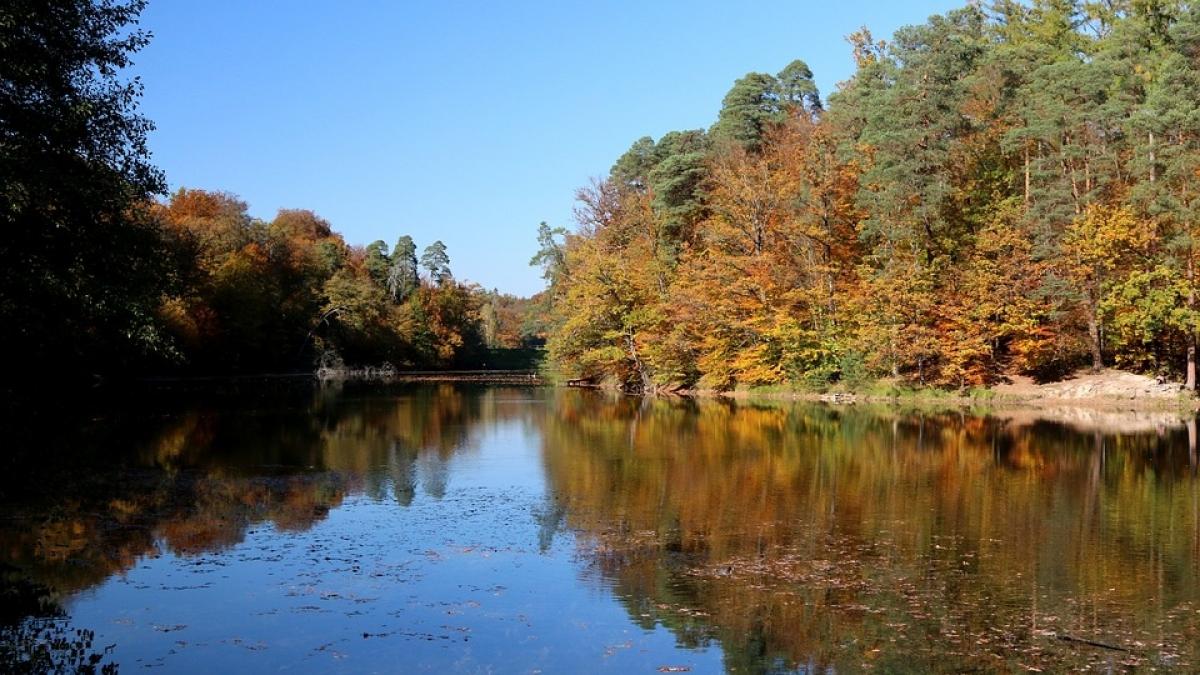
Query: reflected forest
[(795, 537)]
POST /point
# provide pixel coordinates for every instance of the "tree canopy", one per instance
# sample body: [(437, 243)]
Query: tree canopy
[(81, 267), (1002, 190)]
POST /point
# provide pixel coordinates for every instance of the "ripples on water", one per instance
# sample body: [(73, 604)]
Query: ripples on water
[(469, 528)]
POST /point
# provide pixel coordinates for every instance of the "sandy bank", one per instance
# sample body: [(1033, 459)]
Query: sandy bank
[(1083, 392)]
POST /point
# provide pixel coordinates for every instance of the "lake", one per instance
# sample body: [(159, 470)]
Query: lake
[(372, 528)]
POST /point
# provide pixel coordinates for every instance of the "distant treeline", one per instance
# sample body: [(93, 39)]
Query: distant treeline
[(248, 295), (1006, 188), (100, 277)]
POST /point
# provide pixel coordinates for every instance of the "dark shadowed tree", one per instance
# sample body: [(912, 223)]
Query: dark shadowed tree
[(82, 268)]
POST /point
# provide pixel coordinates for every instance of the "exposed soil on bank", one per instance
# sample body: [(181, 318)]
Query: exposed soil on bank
[(1109, 390), (1111, 385)]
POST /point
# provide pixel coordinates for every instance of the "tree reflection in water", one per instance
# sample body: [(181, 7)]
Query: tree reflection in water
[(792, 537), (113, 491), (810, 538)]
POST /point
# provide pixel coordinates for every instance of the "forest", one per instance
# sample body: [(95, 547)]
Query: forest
[(1006, 189), (241, 288), (107, 275)]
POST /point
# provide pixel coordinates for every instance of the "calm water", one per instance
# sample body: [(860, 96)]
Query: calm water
[(375, 529)]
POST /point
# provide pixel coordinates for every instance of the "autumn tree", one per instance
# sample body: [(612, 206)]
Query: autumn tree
[(756, 298), (248, 291), (1000, 190), (610, 314)]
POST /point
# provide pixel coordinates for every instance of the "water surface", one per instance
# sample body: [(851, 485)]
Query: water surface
[(476, 529)]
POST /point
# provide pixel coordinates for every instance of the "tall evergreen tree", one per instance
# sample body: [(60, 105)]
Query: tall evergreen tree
[(797, 89), (403, 276), (378, 262), (436, 262), (749, 109)]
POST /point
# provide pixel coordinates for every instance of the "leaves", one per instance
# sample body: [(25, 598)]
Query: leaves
[(994, 192), (255, 296)]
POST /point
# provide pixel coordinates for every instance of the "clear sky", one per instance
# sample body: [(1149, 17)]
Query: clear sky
[(468, 122)]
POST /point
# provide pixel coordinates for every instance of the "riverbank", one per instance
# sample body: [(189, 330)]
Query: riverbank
[(517, 377), (1109, 390)]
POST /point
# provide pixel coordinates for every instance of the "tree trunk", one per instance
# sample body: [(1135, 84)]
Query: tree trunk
[(1190, 384), (646, 381), (1027, 181), (1153, 159), (1094, 339), (1191, 337)]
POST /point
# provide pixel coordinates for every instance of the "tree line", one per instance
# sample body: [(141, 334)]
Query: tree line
[(1003, 189), (101, 276), (249, 295)]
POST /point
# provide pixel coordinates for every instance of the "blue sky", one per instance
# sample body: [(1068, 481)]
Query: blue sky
[(468, 122)]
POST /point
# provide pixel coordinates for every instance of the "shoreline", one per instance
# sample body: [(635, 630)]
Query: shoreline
[(934, 398), (1005, 397), (1107, 390)]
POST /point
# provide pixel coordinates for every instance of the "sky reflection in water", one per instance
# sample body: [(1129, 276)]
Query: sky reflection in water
[(460, 528)]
